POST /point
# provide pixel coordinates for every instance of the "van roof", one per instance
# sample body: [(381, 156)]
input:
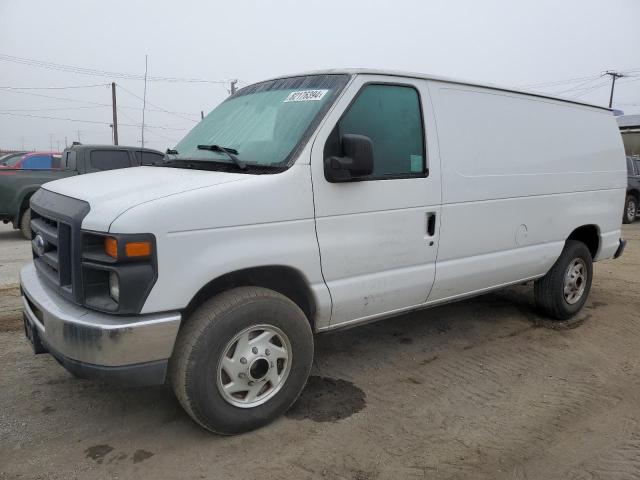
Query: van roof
[(395, 73)]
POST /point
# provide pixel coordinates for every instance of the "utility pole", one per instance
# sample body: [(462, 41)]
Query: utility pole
[(232, 90), (115, 113), (144, 98), (614, 76), (78, 136), (66, 144), (58, 142)]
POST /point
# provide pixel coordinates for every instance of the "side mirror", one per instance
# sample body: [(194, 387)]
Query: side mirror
[(356, 162)]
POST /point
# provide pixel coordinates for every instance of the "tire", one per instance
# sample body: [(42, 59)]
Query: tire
[(549, 291), (630, 209), (197, 370), (25, 224)]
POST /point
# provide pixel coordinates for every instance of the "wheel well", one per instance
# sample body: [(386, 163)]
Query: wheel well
[(24, 205), (285, 280), (634, 193), (587, 234)]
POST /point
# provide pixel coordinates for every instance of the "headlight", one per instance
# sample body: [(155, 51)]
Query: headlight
[(114, 286), (118, 271)]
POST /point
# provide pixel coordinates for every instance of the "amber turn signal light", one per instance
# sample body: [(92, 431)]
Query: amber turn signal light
[(131, 249), (137, 249), (111, 247)]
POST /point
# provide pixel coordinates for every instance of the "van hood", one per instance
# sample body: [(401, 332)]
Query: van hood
[(112, 192)]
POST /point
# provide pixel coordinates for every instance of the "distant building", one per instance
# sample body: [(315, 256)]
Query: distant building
[(630, 130)]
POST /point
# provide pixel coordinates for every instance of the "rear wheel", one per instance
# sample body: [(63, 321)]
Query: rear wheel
[(241, 360), (25, 224), (563, 291), (630, 209)]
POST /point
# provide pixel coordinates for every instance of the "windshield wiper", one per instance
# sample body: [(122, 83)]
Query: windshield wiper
[(229, 152)]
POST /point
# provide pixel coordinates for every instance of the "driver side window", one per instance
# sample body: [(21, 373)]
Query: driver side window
[(390, 115)]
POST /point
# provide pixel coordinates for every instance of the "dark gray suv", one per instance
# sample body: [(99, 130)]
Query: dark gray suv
[(633, 190)]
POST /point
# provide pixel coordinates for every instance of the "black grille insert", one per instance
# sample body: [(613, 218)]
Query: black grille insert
[(55, 237)]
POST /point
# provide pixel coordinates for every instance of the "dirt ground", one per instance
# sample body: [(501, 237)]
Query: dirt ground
[(482, 389)]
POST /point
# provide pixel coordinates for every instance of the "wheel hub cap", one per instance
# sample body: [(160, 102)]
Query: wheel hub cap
[(575, 281), (254, 366)]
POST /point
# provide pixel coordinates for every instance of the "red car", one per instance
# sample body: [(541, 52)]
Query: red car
[(32, 161)]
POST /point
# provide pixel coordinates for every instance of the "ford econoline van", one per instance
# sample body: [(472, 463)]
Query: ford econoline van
[(315, 202)]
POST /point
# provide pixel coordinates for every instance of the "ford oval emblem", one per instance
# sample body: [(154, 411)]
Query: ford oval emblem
[(39, 244)]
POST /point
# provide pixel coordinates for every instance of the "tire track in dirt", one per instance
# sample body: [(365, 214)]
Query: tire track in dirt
[(488, 377), (10, 309)]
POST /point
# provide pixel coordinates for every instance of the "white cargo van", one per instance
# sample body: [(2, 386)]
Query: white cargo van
[(309, 203)]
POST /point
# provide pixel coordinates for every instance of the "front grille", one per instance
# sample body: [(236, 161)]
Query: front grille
[(56, 233), (51, 245)]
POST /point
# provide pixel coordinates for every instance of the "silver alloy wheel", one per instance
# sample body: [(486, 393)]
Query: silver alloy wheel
[(631, 210), (575, 281), (254, 366)]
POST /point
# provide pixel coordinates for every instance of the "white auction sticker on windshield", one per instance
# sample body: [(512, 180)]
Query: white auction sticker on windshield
[(305, 96)]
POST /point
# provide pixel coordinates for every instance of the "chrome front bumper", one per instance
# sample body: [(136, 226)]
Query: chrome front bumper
[(86, 338)]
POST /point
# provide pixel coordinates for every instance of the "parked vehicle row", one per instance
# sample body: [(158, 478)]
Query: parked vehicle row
[(21, 177), (31, 161), (310, 203), (632, 202)]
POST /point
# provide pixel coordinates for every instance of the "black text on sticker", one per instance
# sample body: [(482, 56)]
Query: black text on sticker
[(305, 96)]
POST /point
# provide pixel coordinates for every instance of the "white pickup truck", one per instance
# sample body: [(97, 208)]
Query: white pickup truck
[(313, 202)]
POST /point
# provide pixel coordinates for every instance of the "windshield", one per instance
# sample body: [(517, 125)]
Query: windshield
[(262, 124), (11, 159)]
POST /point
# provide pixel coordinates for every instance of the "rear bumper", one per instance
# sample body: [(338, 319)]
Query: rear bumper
[(620, 251), (126, 349)]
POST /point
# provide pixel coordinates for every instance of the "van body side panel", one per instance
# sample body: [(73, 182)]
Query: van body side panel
[(519, 174), (200, 239)]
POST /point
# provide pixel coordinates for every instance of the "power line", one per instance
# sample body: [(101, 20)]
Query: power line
[(152, 132), (57, 88), (576, 79), (54, 98), (90, 121), (559, 82), (100, 73), (157, 106), (92, 103), (580, 86), (50, 109), (590, 90)]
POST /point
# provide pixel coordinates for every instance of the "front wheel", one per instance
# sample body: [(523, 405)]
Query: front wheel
[(241, 360), (25, 224), (563, 291), (630, 210)]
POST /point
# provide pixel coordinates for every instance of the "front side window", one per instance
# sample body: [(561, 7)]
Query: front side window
[(108, 160), (263, 124), (390, 115), (11, 160)]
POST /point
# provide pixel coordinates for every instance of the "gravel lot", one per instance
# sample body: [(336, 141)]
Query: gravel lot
[(479, 389)]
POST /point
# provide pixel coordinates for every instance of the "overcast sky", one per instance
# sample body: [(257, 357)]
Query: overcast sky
[(506, 42)]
